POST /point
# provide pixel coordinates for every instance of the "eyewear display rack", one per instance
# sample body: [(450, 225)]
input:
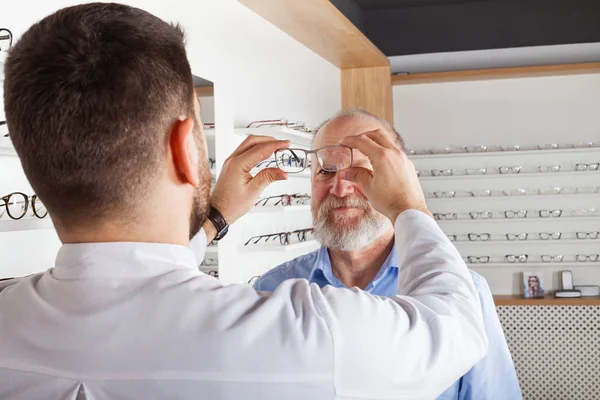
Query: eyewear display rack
[(575, 193), (244, 261)]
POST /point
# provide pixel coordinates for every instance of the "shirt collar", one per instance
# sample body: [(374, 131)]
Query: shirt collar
[(120, 260), (322, 266)]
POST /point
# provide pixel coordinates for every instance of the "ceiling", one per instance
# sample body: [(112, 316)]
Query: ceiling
[(410, 27)]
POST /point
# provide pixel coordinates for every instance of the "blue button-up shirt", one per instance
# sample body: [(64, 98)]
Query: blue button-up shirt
[(493, 378)]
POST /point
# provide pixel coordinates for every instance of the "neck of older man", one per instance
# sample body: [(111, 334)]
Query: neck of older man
[(358, 268)]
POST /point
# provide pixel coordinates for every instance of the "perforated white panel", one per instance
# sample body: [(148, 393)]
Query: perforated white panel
[(556, 350)]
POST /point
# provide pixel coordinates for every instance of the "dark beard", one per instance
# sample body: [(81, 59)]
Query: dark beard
[(201, 201)]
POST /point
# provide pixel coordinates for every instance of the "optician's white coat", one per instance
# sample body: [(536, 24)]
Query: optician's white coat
[(139, 321)]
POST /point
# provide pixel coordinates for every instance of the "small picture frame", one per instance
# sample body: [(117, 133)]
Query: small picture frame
[(533, 284)]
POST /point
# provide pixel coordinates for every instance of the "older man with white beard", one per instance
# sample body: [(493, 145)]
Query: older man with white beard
[(358, 252)]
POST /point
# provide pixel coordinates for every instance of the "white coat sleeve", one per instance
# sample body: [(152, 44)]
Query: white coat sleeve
[(416, 344)]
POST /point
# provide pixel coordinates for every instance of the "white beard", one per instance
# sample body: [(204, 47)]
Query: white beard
[(368, 228)]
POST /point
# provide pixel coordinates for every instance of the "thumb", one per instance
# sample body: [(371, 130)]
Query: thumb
[(265, 177), (362, 176)]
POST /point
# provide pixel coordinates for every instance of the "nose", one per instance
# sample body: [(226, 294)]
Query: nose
[(340, 187)]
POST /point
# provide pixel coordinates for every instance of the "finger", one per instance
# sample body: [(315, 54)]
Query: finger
[(259, 152), (382, 138), (365, 145), (250, 141), (265, 177), (361, 176)]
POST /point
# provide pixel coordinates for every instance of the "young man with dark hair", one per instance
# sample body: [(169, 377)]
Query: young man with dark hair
[(102, 113)]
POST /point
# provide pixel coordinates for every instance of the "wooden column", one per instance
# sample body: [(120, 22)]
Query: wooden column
[(370, 89), (320, 26)]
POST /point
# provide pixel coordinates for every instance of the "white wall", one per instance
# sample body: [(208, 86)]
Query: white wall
[(526, 111), (258, 71)]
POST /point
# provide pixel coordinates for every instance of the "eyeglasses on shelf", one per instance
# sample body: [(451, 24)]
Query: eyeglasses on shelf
[(330, 159), (209, 262), (284, 237), (480, 193), (453, 238), (284, 200), (550, 213), (445, 216), (517, 236), (476, 149), (584, 212), (548, 258), (550, 235), (300, 126), (211, 163), (476, 171), (553, 190), (442, 172), (549, 168), (587, 257), (515, 169), (587, 235), (515, 214), (515, 192), (16, 205), (484, 237), (513, 258), (447, 194), (6, 39), (587, 167), (478, 259), (480, 215)]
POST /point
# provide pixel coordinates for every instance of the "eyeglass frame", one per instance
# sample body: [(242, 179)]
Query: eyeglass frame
[(9, 37), (28, 199), (281, 197), (310, 152), (283, 236)]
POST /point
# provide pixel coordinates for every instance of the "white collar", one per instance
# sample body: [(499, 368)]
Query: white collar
[(121, 260)]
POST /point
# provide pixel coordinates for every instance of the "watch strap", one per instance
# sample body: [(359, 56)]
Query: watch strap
[(219, 222)]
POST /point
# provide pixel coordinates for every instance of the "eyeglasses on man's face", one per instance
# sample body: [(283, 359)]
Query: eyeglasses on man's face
[(16, 205), (330, 159)]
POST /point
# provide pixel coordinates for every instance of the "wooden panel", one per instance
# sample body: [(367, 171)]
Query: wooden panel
[(205, 91), (321, 27), (518, 300), (370, 89), (497, 73)]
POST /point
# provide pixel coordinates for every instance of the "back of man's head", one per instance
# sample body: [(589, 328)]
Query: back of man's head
[(90, 94)]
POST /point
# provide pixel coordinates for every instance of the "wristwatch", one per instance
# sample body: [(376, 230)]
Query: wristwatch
[(219, 222)]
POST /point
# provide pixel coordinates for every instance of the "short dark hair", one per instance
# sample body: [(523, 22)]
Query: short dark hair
[(90, 95)]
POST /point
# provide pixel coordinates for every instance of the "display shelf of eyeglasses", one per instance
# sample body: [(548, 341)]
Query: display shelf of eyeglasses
[(502, 151), (283, 203), (502, 247), (282, 128), (530, 264), (532, 226), (212, 249), (516, 185)]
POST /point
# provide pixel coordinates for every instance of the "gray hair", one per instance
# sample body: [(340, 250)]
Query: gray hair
[(360, 113)]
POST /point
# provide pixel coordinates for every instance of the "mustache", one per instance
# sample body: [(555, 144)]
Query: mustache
[(332, 202)]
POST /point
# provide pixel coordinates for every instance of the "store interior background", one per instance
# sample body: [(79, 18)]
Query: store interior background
[(261, 72)]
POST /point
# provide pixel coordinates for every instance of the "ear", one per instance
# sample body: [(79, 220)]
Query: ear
[(185, 152)]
